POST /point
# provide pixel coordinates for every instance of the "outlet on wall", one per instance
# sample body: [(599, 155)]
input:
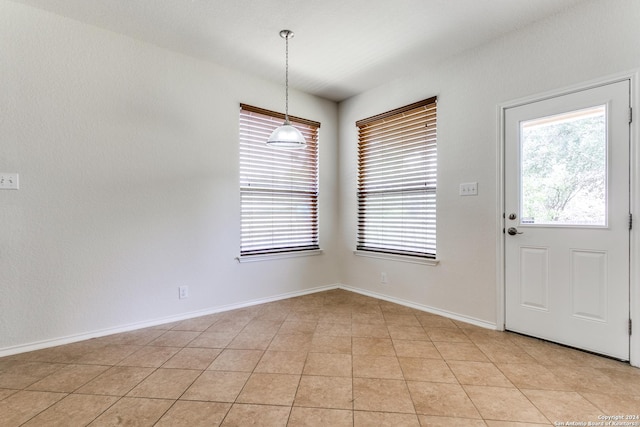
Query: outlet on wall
[(383, 278), (183, 292)]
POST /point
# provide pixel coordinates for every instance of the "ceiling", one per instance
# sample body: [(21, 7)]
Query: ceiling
[(341, 47)]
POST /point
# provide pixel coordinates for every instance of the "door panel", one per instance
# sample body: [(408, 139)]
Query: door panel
[(534, 278), (567, 210), (589, 280)]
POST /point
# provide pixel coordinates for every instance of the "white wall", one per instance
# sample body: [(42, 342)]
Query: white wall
[(597, 39), (128, 163), (127, 156)]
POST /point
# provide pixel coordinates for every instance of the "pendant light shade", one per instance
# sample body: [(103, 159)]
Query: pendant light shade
[(286, 136)]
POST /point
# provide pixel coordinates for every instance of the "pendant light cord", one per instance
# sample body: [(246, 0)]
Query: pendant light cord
[(286, 81), (286, 136)]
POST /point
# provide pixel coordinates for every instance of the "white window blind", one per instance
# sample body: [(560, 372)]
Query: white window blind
[(397, 163), (278, 187)]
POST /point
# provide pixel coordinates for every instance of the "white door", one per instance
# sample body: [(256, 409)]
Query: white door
[(567, 219)]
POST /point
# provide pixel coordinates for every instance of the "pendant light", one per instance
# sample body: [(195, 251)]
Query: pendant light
[(286, 136)]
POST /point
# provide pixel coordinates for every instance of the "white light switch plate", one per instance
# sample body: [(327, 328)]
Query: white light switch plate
[(8, 181), (469, 189)]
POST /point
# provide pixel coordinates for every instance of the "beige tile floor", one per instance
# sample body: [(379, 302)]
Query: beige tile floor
[(334, 358)]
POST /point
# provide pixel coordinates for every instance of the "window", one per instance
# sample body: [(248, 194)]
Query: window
[(563, 163), (397, 164), (278, 187)]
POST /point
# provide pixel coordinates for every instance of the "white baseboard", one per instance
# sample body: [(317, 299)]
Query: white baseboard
[(39, 345), (426, 308)]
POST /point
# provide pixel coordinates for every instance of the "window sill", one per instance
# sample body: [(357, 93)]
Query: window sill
[(267, 257), (394, 257)]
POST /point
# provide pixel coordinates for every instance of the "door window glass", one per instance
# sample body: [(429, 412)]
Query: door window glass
[(564, 169)]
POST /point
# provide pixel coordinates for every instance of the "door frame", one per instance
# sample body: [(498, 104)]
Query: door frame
[(634, 201)]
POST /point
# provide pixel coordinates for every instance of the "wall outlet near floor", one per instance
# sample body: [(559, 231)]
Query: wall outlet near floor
[(384, 279), (183, 292)]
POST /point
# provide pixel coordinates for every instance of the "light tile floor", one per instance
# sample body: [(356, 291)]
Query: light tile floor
[(334, 358)]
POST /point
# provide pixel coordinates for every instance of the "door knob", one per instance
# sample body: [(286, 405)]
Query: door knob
[(513, 231)]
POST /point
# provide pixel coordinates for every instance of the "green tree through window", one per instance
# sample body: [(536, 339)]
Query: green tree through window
[(564, 168)]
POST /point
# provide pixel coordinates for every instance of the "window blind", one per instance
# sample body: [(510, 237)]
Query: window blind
[(278, 187), (397, 164)]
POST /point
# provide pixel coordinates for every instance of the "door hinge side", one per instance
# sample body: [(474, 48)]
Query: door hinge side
[(630, 220), (630, 327), (630, 114)]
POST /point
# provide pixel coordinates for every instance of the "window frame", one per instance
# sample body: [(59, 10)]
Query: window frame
[(398, 133), (279, 188)]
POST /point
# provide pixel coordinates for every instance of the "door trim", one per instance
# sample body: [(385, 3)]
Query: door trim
[(634, 202)]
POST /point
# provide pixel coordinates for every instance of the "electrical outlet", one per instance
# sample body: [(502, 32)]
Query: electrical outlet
[(469, 189), (383, 278), (9, 181), (183, 292)]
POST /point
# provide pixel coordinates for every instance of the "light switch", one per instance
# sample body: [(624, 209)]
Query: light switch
[(469, 189), (8, 181)]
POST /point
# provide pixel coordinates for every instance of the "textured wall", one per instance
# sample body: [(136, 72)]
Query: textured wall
[(127, 156), (128, 163), (591, 41)]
